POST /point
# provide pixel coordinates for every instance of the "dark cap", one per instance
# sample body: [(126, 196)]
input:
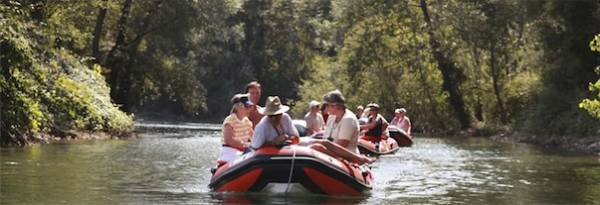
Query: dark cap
[(242, 98), (334, 97)]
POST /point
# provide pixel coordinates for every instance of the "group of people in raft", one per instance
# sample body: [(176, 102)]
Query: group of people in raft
[(249, 126)]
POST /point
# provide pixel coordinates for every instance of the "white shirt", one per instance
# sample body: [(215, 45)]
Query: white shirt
[(346, 129), (314, 122), (265, 132)]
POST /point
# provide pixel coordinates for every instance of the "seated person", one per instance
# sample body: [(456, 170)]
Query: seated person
[(376, 126), (342, 128), (364, 117), (401, 120), (359, 111), (314, 119), (275, 127), (237, 129)]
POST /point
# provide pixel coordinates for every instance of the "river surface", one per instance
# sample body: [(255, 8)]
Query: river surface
[(173, 168)]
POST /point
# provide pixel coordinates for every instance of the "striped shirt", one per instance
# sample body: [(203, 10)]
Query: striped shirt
[(242, 129)]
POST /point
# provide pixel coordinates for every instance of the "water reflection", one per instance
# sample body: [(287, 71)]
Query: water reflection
[(173, 168), (258, 198)]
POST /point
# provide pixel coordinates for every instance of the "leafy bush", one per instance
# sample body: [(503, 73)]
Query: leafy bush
[(48, 90), (593, 105)]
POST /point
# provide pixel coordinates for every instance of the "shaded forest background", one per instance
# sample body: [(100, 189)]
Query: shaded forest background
[(485, 65)]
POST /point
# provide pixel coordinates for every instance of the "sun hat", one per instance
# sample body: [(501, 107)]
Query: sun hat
[(273, 106), (313, 104), (242, 98), (334, 97), (373, 106)]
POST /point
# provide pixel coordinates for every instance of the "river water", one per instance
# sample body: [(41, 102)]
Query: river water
[(173, 168)]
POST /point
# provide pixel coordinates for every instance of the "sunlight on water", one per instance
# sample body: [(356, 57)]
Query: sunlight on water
[(173, 167)]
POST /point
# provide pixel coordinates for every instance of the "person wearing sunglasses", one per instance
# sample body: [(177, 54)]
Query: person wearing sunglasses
[(237, 128), (276, 127)]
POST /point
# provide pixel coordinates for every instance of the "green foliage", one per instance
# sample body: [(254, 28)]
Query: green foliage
[(45, 89), (593, 105), (567, 68), (517, 63)]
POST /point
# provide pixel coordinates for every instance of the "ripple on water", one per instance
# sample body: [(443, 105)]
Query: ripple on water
[(435, 170), (173, 168)]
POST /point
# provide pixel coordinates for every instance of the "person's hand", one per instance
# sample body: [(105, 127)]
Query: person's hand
[(280, 139), (294, 139)]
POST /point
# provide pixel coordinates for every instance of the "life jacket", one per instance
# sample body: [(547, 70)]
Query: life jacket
[(377, 130)]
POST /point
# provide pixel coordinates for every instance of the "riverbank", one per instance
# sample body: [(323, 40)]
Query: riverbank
[(586, 145), (68, 137)]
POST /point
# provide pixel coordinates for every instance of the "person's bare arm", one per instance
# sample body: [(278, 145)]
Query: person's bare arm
[(342, 142), (408, 130)]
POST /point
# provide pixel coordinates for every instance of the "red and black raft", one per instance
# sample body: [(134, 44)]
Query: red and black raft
[(291, 169), (377, 145), (403, 138)]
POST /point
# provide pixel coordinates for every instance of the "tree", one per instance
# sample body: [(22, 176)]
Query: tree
[(453, 76)]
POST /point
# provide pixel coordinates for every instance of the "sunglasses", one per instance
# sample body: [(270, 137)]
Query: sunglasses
[(274, 116)]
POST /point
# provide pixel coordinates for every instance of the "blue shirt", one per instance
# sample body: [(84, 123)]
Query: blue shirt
[(265, 132)]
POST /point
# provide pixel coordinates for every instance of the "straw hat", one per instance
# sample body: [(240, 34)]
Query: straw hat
[(274, 106), (373, 106)]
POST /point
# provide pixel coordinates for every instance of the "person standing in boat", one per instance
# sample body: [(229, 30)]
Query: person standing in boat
[(314, 119), (276, 127), (376, 127), (401, 120), (254, 90), (237, 128)]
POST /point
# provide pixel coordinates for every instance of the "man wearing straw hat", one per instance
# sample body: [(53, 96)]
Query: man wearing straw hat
[(275, 127), (376, 126)]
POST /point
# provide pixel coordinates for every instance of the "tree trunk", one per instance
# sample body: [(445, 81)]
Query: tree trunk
[(126, 78), (495, 78), (115, 58), (98, 30), (451, 74), (478, 107)]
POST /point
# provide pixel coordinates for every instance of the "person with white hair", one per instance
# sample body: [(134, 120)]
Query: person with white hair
[(401, 120), (314, 119)]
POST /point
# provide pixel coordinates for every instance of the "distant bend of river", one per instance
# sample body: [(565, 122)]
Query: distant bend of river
[(173, 168)]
